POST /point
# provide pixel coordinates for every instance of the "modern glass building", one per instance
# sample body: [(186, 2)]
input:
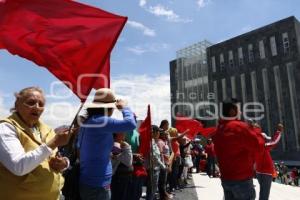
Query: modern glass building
[(189, 80), (263, 66)]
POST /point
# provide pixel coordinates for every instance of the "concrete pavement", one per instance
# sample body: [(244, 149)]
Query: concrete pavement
[(211, 189)]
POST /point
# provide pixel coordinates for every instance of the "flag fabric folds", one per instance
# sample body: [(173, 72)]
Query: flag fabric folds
[(72, 40), (145, 135), (195, 127)]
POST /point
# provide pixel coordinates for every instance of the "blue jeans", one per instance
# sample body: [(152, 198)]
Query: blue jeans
[(94, 193), (239, 190), (265, 182)]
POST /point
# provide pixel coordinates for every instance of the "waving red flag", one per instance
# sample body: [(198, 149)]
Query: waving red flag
[(72, 40), (145, 135), (194, 126), (208, 132)]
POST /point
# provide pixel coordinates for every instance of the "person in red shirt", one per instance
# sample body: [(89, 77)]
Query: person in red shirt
[(236, 145), (211, 158), (176, 160), (264, 163)]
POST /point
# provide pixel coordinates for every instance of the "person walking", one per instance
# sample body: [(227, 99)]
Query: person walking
[(236, 145), (211, 158), (263, 162)]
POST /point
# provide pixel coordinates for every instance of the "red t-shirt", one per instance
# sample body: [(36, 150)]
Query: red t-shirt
[(263, 161), (175, 148), (210, 150), (236, 145)]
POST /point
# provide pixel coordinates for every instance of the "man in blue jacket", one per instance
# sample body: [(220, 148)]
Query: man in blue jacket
[(96, 141)]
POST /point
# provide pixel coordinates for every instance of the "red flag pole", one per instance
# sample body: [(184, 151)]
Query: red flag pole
[(75, 118), (151, 155), (71, 135)]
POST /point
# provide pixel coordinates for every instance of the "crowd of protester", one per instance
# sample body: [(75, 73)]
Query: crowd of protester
[(173, 158), (286, 175), (104, 162)]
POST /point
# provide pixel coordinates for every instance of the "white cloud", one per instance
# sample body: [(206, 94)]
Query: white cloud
[(142, 3), (202, 3), (141, 90), (136, 50), (60, 113), (139, 26), (148, 48), (138, 90), (4, 111), (160, 10)]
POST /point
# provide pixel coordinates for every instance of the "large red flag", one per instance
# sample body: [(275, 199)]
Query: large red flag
[(72, 40), (195, 127), (145, 135)]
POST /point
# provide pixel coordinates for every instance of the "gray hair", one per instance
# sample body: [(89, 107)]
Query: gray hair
[(22, 93)]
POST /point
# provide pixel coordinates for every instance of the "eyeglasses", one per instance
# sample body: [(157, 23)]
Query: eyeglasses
[(33, 104)]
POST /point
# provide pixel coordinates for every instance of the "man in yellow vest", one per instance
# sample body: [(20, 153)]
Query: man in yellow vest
[(29, 166)]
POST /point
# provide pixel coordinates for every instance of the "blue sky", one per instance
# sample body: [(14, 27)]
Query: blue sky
[(155, 30)]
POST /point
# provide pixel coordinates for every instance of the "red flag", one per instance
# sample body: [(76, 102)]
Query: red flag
[(145, 135), (184, 123), (72, 40), (208, 132)]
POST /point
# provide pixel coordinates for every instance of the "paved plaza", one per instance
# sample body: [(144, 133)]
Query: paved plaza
[(211, 189)]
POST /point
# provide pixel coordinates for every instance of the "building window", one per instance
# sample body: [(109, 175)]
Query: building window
[(222, 63), (267, 97), (243, 87), (213, 63), (286, 43), (233, 86), (241, 56), (279, 95), (216, 91), (254, 86), (224, 93), (250, 53), (273, 46), (231, 62), (293, 98), (262, 49)]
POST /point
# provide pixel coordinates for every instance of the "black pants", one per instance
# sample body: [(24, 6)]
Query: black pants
[(239, 190), (162, 182), (120, 186), (136, 188), (197, 163), (211, 166), (265, 182), (174, 174)]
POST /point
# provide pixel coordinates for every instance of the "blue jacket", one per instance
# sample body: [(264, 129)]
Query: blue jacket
[(95, 142)]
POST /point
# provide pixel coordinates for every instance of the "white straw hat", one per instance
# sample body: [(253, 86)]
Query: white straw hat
[(104, 98)]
